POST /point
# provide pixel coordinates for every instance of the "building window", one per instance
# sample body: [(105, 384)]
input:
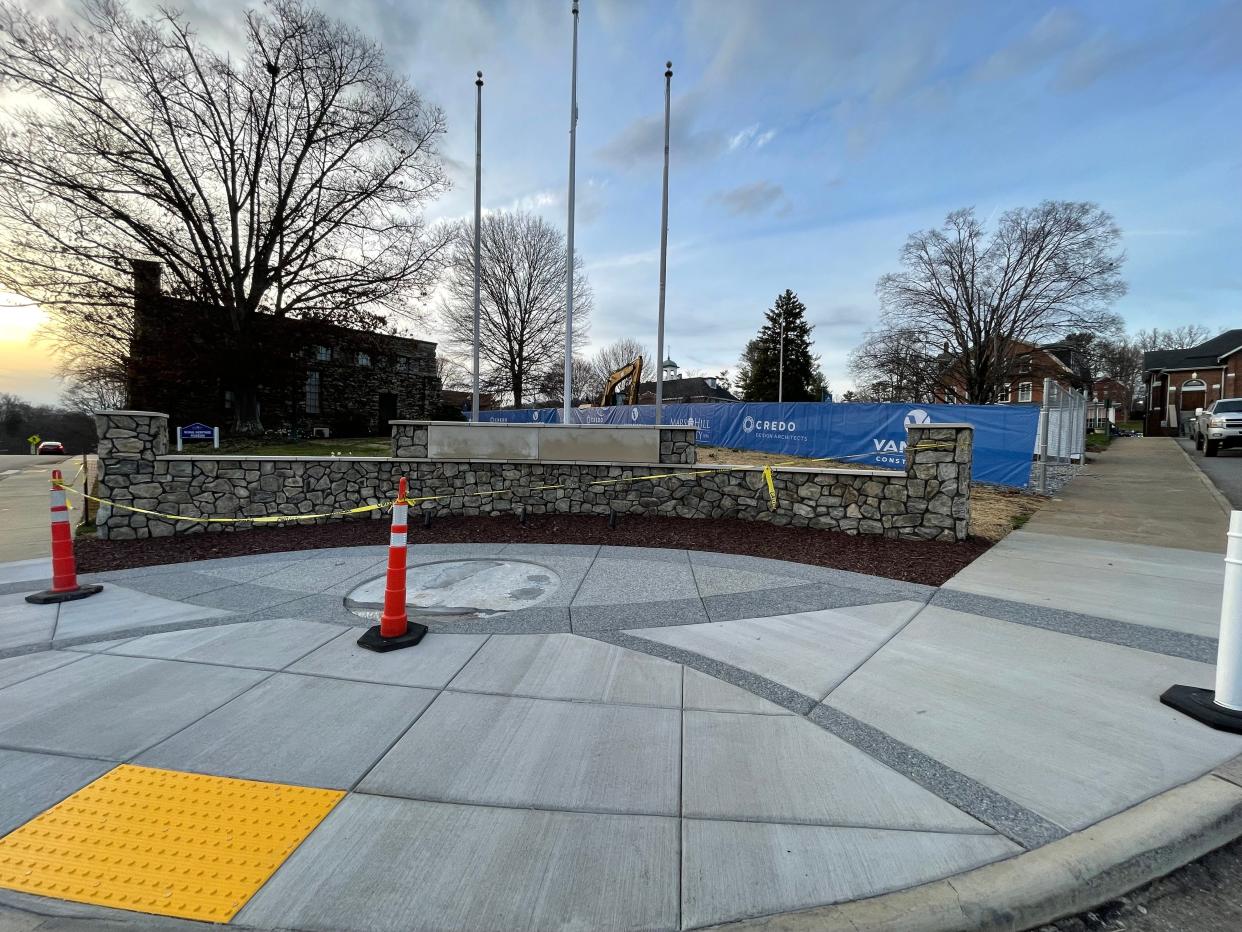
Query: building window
[(312, 393), (323, 354), (1002, 397), (403, 363), (950, 396), (364, 359), (1024, 391), (228, 401), (1024, 365)]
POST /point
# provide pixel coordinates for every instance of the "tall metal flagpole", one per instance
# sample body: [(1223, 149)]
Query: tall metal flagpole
[(478, 216), (780, 372), (659, 394), (566, 417)]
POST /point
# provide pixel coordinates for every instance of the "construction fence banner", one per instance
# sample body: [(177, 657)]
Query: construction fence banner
[(874, 434)]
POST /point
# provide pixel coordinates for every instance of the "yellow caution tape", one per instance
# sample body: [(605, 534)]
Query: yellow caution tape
[(767, 475), (363, 509)]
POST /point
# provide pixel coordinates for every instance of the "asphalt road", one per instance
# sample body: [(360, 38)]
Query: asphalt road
[(1224, 469), (24, 521)]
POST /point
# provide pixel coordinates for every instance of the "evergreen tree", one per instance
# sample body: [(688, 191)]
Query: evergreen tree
[(759, 368)]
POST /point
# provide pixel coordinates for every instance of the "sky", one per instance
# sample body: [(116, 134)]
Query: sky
[(811, 137)]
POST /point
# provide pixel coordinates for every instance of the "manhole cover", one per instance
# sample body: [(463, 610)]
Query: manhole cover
[(461, 589)]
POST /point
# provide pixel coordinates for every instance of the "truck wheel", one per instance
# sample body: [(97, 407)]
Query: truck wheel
[(1198, 441), (1210, 447)]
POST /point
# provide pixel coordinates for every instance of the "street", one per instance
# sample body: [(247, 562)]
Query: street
[(1224, 469), (24, 484)]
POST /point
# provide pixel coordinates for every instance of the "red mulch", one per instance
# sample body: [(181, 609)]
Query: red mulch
[(930, 562)]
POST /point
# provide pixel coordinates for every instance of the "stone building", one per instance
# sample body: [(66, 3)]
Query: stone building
[(312, 376)]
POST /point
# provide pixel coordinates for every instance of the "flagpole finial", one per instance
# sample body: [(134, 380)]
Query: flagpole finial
[(668, 72), (479, 82), (575, 7)]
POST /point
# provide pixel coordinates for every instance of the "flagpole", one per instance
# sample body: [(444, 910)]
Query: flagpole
[(566, 417), (478, 216), (659, 392)]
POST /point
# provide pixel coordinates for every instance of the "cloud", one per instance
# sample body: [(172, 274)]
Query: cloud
[(751, 137), (751, 199), (643, 139), (1056, 32)]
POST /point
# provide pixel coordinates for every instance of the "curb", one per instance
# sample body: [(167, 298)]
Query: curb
[(1084, 870), (1211, 487), (1077, 873)]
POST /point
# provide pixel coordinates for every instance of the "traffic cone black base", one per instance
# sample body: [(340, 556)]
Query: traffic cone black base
[(51, 597), (375, 641), (1200, 705)]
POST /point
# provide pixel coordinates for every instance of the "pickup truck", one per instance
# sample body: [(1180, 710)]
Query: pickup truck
[(1218, 426)]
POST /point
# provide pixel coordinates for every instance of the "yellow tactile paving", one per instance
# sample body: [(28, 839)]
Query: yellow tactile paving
[(163, 841)]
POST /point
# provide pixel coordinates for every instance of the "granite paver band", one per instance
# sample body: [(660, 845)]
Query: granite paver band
[(1144, 637)]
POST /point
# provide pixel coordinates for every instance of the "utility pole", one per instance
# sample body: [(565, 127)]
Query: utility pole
[(478, 217), (566, 417), (659, 392)]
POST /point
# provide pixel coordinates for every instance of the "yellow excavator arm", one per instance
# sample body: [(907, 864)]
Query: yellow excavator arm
[(634, 373)]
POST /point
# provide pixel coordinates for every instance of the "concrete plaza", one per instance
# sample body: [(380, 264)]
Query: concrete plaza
[(667, 740)]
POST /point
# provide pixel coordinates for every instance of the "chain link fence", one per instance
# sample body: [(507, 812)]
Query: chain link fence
[(1060, 442)]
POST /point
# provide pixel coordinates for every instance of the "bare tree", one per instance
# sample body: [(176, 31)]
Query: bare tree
[(286, 177), (550, 388), (1183, 337), (453, 373), (895, 365), (522, 300), (608, 359), (1045, 272), (96, 394), (1122, 360)]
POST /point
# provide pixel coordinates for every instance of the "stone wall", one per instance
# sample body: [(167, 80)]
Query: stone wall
[(929, 500)]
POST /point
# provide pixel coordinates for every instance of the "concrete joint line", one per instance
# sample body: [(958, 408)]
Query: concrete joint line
[(1062, 878)]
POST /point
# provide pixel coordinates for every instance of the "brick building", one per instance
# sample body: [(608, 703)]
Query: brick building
[(312, 375), (1179, 381), (1029, 365)]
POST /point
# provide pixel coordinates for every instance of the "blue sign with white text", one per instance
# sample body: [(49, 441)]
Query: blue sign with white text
[(872, 434), (197, 431)]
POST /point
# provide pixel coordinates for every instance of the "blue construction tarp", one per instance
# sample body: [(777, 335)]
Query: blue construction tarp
[(874, 434)]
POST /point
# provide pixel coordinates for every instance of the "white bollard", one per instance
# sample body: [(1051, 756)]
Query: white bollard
[(1229, 647)]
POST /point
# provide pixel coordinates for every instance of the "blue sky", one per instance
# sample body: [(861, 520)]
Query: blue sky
[(811, 137)]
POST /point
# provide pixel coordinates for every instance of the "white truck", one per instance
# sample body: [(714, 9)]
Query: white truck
[(1218, 426)]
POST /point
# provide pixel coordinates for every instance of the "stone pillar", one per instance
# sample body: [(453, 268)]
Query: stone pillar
[(938, 461), (678, 445), (129, 444), (409, 439)]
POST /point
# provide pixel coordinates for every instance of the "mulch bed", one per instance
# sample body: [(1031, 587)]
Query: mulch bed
[(930, 562)]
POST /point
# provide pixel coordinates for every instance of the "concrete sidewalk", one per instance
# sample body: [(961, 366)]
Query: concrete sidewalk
[(663, 739), (1138, 537)]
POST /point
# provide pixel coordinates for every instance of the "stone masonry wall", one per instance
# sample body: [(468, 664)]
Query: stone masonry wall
[(930, 500)]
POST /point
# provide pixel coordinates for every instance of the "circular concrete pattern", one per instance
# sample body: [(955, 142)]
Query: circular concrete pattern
[(462, 589)]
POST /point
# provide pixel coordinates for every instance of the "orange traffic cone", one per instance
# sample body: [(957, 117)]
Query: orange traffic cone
[(65, 586), (395, 630)]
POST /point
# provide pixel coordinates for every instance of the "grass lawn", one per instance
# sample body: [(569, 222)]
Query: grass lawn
[(336, 446)]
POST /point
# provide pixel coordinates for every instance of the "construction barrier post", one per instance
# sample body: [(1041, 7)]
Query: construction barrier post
[(65, 586), (1221, 708), (395, 630)]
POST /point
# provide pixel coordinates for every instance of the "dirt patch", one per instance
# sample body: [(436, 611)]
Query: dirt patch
[(994, 510), (930, 562)]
